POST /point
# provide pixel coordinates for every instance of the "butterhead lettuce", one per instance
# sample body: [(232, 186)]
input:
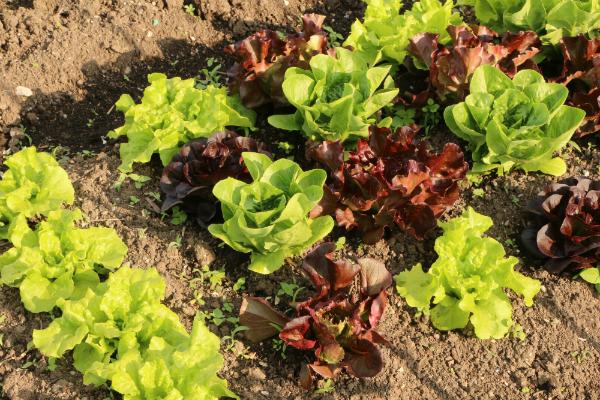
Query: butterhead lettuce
[(269, 216), (466, 283), (171, 113), (518, 123)]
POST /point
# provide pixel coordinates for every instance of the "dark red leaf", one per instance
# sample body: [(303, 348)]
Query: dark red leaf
[(260, 318), (364, 359), (293, 333)]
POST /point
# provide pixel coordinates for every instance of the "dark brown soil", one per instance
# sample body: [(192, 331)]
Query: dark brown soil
[(77, 57)]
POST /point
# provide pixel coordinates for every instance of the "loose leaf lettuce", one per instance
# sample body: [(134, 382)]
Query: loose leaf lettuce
[(33, 186), (338, 327), (190, 176), (269, 217), (564, 225), (120, 332), (390, 179), (451, 66), (263, 58), (336, 99), (516, 123), (466, 283), (384, 33), (171, 113), (57, 260), (553, 19), (581, 74)]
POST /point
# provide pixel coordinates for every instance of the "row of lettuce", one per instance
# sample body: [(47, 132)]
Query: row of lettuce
[(111, 315)]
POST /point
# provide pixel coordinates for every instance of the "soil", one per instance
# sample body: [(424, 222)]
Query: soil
[(78, 56)]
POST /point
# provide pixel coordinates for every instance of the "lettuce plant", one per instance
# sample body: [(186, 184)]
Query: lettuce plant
[(564, 225), (581, 72), (269, 216), (33, 185), (552, 18), (384, 33), (171, 113), (57, 260), (451, 66), (337, 326), (263, 58), (592, 275), (465, 284), (189, 178), (516, 123), (120, 332), (336, 99), (389, 180)]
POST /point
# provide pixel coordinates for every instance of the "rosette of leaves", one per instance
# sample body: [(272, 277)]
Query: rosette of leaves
[(269, 216), (564, 225), (337, 98), (553, 19), (33, 185), (120, 332), (581, 74), (263, 58), (173, 112), (385, 32), (57, 260), (338, 326), (518, 123), (466, 283), (451, 66), (389, 180), (189, 178)]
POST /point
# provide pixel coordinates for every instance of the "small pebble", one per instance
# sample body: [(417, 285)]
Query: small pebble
[(23, 91)]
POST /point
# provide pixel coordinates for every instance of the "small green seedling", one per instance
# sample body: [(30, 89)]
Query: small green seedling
[(133, 200), (176, 243), (340, 243), (280, 347), (325, 386), (431, 115), (178, 217), (334, 38), (288, 289), (478, 192), (190, 9), (211, 75), (240, 284)]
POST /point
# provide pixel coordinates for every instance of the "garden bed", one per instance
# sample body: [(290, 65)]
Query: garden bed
[(78, 58)]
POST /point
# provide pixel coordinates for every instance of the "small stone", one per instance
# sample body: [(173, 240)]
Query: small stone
[(23, 91), (257, 374), (204, 254)]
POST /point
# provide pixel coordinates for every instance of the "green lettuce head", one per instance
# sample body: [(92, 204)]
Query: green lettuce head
[(121, 332), (466, 283), (171, 113), (33, 186), (518, 123), (337, 98), (552, 19), (384, 34), (57, 260), (269, 217)]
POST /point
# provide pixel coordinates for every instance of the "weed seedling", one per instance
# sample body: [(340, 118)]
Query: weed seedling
[(133, 200), (190, 9), (325, 386), (431, 115), (211, 75), (178, 217), (280, 347), (334, 38)]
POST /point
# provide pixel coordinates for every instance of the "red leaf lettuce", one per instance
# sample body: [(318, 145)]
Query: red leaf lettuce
[(388, 180), (337, 322), (564, 225), (189, 178), (451, 66), (263, 58)]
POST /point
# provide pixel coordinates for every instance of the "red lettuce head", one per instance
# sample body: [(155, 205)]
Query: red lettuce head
[(388, 180), (263, 58), (451, 66), (564, 225), (337, 323), (581, 74), (189, 178)]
